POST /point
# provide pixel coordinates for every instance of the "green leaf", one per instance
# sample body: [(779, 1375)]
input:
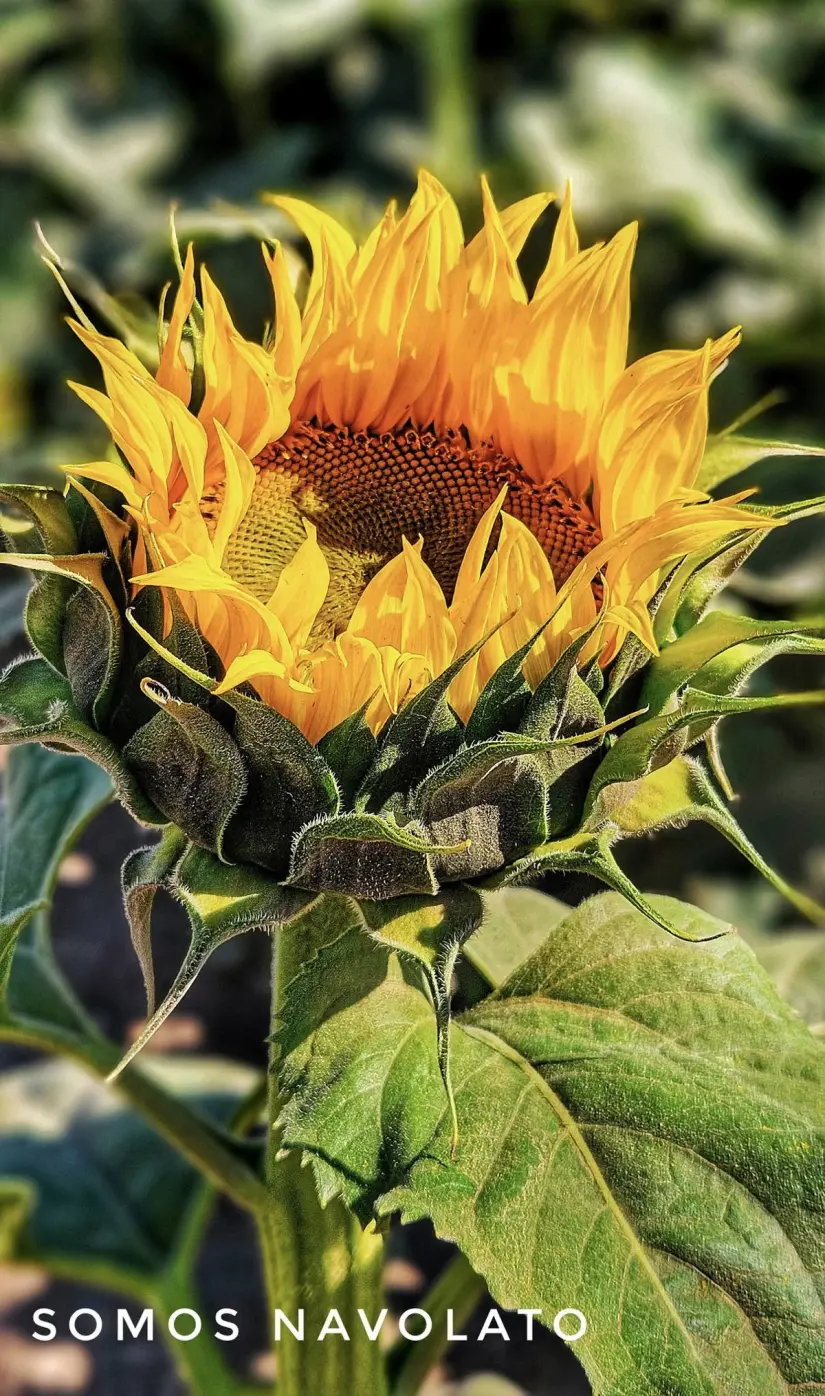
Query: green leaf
[(182, 640), (190, 767), (358, 1070), (516, 921), (641, 1137), (728, 453), (75, 1153), (795, 960), (38, 706), (48, 800)]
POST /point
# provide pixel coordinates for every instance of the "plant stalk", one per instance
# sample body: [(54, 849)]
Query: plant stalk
[(316, 1259)]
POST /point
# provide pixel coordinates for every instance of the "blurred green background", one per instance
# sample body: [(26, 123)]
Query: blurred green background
[(703, 118)]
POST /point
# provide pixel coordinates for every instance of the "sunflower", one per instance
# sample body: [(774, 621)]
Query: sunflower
[(406, 603), (421, 462)]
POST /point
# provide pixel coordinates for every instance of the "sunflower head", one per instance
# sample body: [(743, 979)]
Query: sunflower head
[(409, 595)]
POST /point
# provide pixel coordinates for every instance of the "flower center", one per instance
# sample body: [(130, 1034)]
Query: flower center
[(366, 492)]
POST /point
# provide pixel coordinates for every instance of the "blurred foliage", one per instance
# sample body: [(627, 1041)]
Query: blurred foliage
[(704, 118)]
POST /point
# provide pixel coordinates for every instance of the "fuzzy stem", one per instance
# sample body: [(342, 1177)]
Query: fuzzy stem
[(315, 1258)]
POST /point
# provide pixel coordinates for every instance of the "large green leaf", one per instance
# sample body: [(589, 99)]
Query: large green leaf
[(92, 1193), (516, 921), (48, 799), (430, 932), (108, 1198), (641, 1131)]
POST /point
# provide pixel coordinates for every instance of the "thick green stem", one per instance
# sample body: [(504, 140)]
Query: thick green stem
[(316, 1259)]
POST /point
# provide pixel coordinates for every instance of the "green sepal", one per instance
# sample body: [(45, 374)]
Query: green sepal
[(678, 605), (38, 706), (132, 708), (588, 853), (422, 735), (90, 665), (183, 641), (288, 784), (44, 614), (365, 856), (563, 703), (221, 902), (190, 767), (633, 655), (288, 781), (658, 739), (728, 453), (47, 510), (503, 701), (721, 652), (674, 795), (114, 531), (431, 933), (707, 581), (93, 644), (797, 509), (349, 750), (144, 872), (489, 799)]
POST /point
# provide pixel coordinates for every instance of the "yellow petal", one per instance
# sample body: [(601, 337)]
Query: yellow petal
[(565, 245), (173, 370), (301, 589), (286, 350), (403, 606), (239, 484), (249, 667)]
